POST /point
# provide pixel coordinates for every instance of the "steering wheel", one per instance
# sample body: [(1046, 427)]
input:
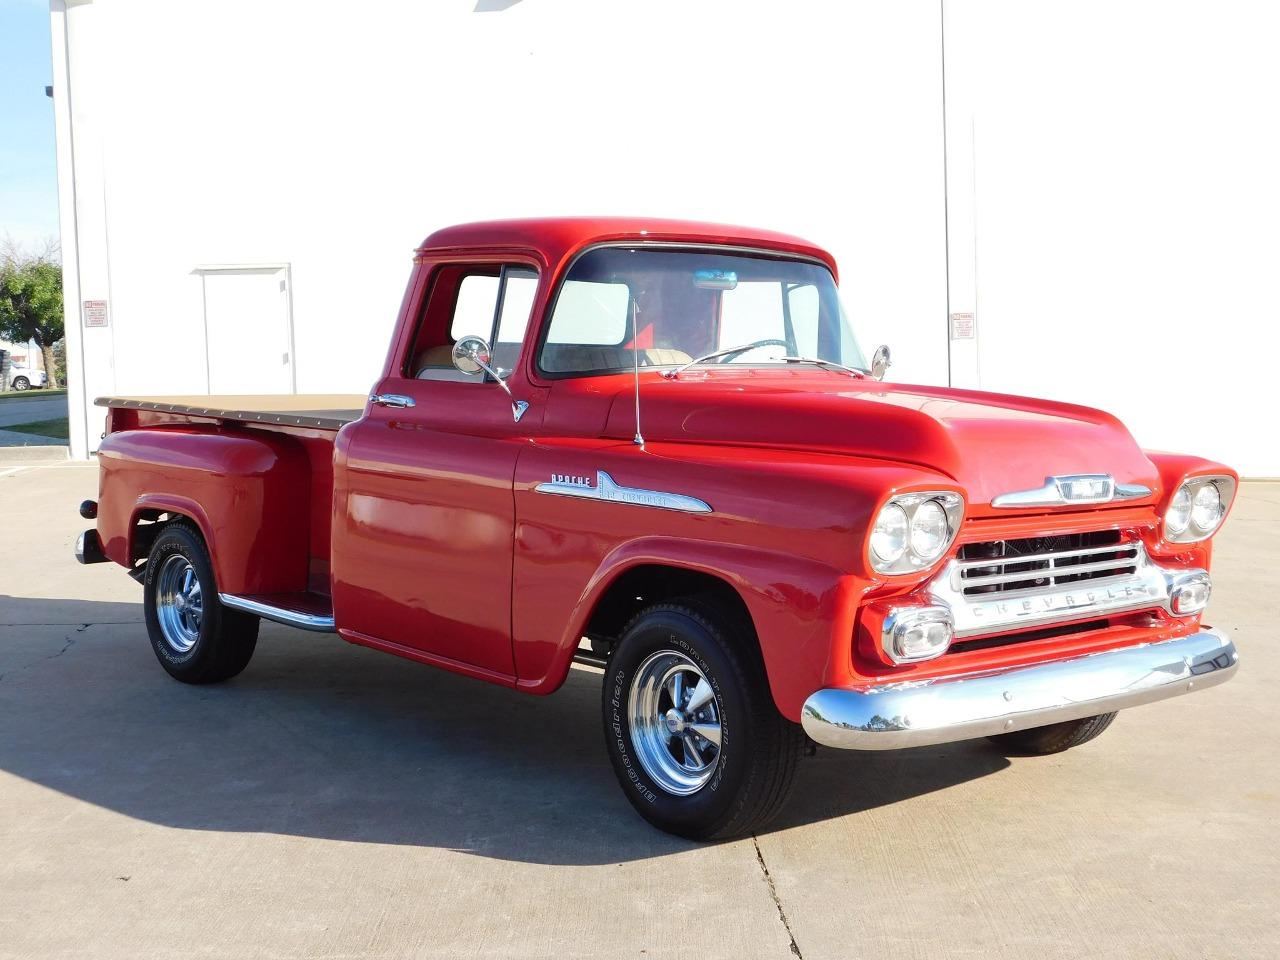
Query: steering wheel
[(725, 358)]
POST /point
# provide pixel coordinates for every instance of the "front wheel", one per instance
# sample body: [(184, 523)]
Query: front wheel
[(690, 725), (195, 638), (20, 383), (1054, 738)]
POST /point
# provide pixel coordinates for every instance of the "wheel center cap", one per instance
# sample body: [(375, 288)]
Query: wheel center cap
[(674, 720), (180, 602)]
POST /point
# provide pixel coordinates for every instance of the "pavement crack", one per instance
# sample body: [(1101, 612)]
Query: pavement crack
[(777, 902), (71, 642)]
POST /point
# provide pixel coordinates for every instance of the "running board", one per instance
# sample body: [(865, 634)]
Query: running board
[(307, 611), (587, 658)]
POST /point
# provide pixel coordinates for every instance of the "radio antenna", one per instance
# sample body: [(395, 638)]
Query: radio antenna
[(635, 354)]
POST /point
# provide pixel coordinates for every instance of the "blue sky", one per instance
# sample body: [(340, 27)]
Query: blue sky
[(28, 174)]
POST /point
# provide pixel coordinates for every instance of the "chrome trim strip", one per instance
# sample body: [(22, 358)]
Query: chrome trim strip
[(1061, 491), (920, 713), (985, 613), (292, 618), (1049, 557), (606, 489)]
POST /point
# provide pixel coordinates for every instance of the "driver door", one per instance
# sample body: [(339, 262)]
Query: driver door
[(423, 534)]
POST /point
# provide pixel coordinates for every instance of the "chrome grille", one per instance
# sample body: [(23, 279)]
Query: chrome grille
[(1031, 563)]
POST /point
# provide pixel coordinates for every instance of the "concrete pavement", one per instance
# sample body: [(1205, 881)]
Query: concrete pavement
[(337, 802)]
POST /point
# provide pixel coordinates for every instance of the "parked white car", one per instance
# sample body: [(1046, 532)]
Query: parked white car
[(23, 378)]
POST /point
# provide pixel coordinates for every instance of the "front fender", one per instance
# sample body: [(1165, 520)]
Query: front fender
[(802, 609)]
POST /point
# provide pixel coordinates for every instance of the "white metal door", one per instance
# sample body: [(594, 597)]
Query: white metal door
[(248, 330)]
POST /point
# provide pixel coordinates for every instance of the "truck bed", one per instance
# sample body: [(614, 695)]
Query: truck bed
[(318, 411)]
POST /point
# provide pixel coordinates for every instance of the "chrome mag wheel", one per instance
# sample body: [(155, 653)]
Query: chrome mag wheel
[(675, 723), (179, 604)]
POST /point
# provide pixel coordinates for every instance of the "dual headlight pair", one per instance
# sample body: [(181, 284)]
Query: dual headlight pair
[(913, 530), (1197, 508)]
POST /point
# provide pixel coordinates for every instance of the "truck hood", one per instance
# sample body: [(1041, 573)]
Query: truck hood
[(989, 443)]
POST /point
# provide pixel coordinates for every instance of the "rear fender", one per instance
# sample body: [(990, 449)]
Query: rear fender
[(248, 494)]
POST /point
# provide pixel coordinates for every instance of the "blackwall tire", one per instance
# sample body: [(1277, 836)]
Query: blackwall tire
[(195, 638), (21, 383), (1040, 741), (744, 780)]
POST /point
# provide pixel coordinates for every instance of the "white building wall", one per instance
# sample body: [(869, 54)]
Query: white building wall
[(1106, 194), (1126, 182), (335, 137)]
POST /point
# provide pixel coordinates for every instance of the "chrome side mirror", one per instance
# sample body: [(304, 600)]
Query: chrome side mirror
[(880, 362), (471, 355)]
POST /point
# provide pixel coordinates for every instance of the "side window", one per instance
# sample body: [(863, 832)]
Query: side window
[(473, 310), (489, 301), (518, 289)]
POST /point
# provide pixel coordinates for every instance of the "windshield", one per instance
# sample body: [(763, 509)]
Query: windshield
[(685, 304)]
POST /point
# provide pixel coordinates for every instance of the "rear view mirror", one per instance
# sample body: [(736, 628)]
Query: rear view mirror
[(471, 355), (880, 362), (715, 279)]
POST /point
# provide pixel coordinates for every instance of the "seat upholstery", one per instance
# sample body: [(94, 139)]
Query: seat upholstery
[(433, 358)]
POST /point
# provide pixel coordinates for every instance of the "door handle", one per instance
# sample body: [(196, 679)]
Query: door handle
[(397, 400)]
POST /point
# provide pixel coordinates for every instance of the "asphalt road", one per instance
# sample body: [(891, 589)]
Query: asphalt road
[(31, 407), (337, 802)]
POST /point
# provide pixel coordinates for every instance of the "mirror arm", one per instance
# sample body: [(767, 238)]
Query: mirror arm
[(494, 373)]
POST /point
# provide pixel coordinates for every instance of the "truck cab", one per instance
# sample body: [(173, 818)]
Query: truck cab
[(658, 449)]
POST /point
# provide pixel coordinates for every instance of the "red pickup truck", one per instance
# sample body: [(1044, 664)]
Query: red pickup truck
[(656, 448)]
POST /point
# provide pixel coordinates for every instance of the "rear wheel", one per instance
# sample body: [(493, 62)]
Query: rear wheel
[(195, 638), (690, 725), (1054, 738)]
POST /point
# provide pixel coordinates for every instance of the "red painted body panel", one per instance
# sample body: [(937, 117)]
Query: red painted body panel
[(439, 548), (249, 494)]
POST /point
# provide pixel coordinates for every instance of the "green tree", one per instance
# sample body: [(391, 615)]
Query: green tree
[(31, 301)]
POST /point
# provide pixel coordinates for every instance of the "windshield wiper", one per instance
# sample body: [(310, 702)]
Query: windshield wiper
[(827, 363), (728, 351)]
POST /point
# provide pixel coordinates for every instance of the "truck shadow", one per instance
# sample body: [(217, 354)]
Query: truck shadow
[(321, 739)]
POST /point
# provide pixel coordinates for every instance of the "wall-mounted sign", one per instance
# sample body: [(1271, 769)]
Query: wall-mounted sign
[(95, 313), (962, 326)]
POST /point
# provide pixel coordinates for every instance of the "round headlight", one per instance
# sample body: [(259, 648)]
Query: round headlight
[(1206, 508), (889, 536), (1179, 513), (929, 530)]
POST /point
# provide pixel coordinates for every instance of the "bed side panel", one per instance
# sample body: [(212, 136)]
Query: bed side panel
[(250, 495)]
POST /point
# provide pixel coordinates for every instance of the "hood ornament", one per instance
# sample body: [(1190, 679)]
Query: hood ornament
[(1077, 488)]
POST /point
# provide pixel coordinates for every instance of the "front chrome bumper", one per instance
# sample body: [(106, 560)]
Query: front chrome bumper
[(922, 712)]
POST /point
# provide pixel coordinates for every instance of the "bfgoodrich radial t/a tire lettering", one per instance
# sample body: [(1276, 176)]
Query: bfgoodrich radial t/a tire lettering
[(690, 725)]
